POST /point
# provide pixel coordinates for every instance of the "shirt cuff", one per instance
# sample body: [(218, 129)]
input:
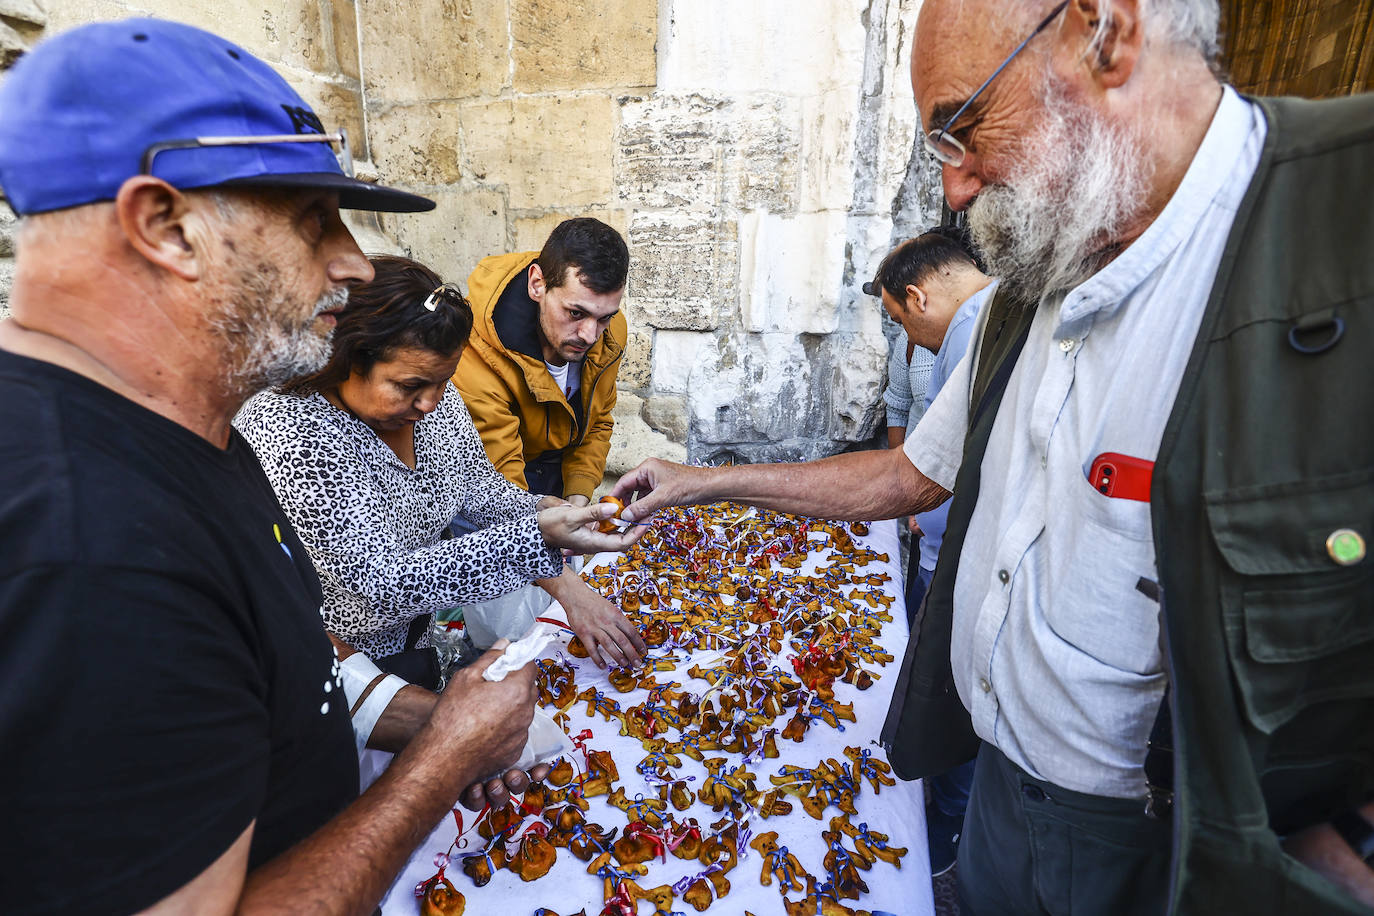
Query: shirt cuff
[(938, 464)]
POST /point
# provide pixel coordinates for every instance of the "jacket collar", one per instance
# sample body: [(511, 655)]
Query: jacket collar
[(516, 318)]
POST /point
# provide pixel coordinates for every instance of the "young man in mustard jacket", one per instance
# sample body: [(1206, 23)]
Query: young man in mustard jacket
[(538, 376), (547, 339)]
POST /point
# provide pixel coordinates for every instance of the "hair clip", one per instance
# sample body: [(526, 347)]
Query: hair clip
[(432, 300)]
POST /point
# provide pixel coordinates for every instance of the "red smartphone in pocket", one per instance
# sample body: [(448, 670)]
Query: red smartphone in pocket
[(1122, 476)]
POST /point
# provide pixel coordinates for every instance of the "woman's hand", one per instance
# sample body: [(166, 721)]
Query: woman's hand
[(574, 528), (605, 632)]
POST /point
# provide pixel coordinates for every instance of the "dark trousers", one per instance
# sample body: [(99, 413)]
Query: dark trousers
[(1031, 847), (917, 583)]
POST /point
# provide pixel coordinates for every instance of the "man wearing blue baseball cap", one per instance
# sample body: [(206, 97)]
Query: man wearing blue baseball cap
[(175, 725)]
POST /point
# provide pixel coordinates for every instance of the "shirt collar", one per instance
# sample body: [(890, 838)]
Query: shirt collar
[(1214, 178)]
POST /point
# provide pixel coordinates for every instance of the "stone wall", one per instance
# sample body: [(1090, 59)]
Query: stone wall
[(758, 157)]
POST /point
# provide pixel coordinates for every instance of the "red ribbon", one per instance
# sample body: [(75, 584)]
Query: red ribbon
[(689, 829), (640, 829), (620, 903), (579, 741)]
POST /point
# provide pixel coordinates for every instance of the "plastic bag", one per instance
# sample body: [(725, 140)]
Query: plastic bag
[(506, 617)]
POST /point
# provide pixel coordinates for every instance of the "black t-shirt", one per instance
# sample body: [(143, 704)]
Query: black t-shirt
[(166, 676)]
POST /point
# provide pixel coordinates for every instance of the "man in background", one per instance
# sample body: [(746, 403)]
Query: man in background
[(932, 286)]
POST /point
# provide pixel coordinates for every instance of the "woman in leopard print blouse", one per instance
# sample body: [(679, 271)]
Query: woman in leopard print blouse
[(374, 455)]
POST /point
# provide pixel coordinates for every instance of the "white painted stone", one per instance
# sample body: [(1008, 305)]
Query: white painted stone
[(856, 384), (755, 388), (827, 171), (675, 352), (731, 47), (790, 268)]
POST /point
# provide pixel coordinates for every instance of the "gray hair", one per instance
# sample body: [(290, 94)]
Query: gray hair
[(1186, 23)]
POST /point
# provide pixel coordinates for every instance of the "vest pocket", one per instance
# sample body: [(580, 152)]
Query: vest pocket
[(1299, 626)]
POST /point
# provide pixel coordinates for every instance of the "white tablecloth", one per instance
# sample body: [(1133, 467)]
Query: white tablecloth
[(898, 811)]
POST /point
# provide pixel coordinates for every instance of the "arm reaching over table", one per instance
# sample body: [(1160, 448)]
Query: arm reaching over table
[(857, 486)]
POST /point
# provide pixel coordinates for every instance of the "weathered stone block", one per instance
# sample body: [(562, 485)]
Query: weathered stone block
[(857, 374), (756, 388), (8, 224), (675, 353), (636, 366), (670, 152), (633, 440), (532, 231), (416, 143), (549, 151), (6, 280), (344, 24), (668, 415), (684, 270), (789, 270), (439, 49), (583, 44), (466, 226), (27, 12), (763, 157), (367, 232)]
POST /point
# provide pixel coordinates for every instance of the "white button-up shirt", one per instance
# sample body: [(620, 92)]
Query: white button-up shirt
[(1055, 651)]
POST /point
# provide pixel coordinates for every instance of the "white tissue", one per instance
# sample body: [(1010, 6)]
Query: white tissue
[(521, 652)]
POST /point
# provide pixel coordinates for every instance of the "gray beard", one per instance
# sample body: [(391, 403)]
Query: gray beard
[(1057, 219), (269, 349)]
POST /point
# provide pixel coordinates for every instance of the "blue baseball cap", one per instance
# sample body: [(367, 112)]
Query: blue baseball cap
[(88, 109)]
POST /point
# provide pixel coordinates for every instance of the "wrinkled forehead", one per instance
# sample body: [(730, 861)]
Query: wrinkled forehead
[(957, 45)]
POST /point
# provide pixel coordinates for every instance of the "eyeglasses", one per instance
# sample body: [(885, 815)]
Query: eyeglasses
[(340, 137), (940, 142)]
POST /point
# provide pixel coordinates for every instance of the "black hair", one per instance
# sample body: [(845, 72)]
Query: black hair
[(593, 249), (387, 314), (915, 260)]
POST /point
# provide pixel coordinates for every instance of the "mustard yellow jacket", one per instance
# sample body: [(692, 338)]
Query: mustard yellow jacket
[(519, 410)]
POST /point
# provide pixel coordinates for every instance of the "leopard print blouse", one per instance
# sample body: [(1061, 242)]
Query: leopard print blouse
[(373, 526)]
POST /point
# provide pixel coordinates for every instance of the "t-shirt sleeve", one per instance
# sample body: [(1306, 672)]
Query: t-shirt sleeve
[(936, 447), (128, 790)]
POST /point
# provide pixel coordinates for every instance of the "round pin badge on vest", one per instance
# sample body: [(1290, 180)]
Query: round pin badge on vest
[(1345, 546)]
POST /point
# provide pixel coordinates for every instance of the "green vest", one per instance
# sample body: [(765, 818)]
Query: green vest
[(1268, 451)]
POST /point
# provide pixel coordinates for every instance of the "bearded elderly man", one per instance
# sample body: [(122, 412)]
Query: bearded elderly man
[(176, 733), (1186, 282)]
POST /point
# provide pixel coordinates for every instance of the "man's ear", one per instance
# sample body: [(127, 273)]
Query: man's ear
[(1113, 55), (536, 282), (154, 217), (915, 298)]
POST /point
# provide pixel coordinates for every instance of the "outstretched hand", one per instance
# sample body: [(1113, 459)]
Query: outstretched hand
[(574, 527), (657, 484)]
